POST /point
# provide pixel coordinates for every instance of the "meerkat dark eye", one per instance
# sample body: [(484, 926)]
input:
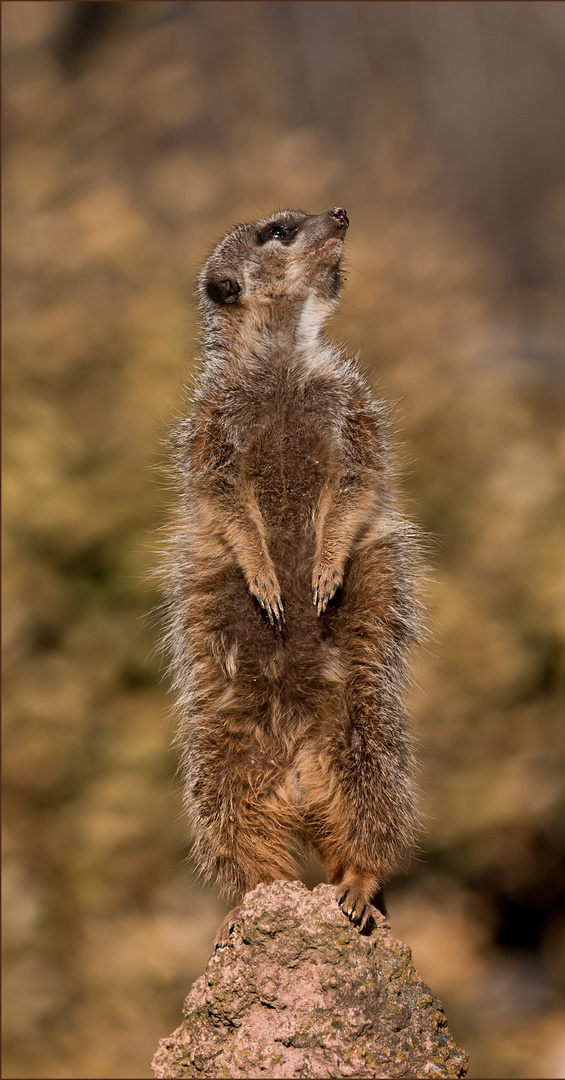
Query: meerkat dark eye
[(284, 233)]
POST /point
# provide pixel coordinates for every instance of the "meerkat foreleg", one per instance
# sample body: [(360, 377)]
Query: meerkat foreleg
[(341, 517), (244, 530)]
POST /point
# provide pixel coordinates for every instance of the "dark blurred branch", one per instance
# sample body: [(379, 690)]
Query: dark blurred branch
[(89, 23)]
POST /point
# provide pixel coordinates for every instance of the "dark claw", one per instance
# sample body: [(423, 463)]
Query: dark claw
[(347, 910), (365, 917), (322, 599), (361, 920), (275, 612), (222, 944), (322, 603)]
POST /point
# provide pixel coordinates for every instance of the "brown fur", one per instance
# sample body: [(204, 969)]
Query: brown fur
[(290, 581)]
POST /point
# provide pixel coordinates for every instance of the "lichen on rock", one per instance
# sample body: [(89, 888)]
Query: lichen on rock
[(299, 992)]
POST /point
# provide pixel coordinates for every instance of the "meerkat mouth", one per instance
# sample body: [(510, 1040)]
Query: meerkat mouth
[(324, 243)]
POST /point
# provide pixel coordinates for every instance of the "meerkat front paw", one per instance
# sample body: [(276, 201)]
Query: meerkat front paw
[(326, 580), (266, 590)]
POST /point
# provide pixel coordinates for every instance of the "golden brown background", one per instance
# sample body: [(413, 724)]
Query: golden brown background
[(134, 135)]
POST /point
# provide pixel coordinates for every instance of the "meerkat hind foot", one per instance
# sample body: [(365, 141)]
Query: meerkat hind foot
[(355, 902), (226, 928)]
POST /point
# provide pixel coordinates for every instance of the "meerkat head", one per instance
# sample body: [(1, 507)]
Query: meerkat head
[(271, 271)]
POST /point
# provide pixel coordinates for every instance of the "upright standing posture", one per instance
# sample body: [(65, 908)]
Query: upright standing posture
[(290, 581)]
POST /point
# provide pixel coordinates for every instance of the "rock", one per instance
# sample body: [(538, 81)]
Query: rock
[(299, 992)]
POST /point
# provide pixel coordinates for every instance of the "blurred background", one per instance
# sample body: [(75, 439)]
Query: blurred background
[(134, 135)]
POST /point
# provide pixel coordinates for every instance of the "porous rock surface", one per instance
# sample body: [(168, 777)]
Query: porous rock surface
[(299, 992)]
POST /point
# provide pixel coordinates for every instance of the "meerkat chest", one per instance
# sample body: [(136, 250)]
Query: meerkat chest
[(288, 439)]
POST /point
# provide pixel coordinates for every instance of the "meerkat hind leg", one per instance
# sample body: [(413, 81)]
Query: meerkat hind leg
[(356, 891), (261, 850)]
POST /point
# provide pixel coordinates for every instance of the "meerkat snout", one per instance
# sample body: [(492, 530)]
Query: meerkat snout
[(340, 215)]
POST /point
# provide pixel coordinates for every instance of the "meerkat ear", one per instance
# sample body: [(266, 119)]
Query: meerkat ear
[(227, 291)]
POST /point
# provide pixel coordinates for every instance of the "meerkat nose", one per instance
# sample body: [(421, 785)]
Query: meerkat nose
[(340, 215)]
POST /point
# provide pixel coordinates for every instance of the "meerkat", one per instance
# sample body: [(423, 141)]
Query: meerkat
[(290, 582)]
